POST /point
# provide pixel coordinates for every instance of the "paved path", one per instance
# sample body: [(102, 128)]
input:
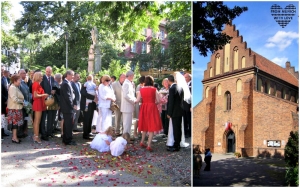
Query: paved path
[(54, 164), (226, 170)]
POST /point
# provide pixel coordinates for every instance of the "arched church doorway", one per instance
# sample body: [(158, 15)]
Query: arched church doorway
[(231, 142)]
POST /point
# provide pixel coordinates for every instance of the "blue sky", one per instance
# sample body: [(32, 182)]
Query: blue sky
[(262, 34)]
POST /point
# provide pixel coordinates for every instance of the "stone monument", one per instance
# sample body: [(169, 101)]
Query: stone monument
[(91, 59), (94, 61)]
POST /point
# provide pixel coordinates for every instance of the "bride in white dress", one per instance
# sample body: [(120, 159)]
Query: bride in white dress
[(180, 81)]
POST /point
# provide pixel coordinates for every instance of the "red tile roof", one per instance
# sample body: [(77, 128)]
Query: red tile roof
[(275, 70)]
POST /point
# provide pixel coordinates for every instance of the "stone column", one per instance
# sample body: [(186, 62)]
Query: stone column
[(97, 59), (91, 59)]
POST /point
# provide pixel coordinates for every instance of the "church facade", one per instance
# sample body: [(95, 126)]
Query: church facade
[(249, 104)]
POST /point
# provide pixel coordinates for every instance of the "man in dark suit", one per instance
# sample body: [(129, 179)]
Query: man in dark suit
[(22, 132), (47, 85), (4, 91), (76, 87), (87, 115), (67, 107), (175, 111), (187, 109), (4, 97)]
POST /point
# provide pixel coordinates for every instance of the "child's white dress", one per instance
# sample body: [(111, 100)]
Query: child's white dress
[(99, 143), (117, 146)]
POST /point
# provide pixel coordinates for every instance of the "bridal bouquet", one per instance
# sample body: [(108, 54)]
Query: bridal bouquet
[(28, 107)]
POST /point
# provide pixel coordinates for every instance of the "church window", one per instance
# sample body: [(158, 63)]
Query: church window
[(227, 100), (206, 92), (235, 58), (239, 85), (211, 72), (218, 64), (243, 62), (219, 88)]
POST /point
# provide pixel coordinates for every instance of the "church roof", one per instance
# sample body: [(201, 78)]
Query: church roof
[(275, 70)]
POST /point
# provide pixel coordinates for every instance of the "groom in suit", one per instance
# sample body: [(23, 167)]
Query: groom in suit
[(175, 111), (67, 107)]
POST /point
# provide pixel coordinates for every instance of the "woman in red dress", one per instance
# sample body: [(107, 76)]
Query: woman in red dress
[(149, 118), (38, 105)]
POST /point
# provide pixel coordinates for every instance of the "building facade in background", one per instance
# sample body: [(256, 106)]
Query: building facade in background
[(249, 105)]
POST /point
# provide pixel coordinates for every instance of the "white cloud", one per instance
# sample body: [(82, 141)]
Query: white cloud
[(281, 40), (280, 61)]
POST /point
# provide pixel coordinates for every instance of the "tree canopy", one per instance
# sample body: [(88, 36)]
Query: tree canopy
[(208, 20), (117, 23)]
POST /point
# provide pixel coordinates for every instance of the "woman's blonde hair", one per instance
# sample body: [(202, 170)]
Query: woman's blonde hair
[(110, 130), (36, 76)]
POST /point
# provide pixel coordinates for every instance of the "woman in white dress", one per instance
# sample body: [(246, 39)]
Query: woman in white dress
[(180, 81), (118, 146), (105, 96), (102, 141)]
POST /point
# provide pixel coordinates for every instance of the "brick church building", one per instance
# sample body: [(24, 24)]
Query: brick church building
[(249, 104)]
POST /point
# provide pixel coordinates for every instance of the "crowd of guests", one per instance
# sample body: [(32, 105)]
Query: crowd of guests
[(76, 103)]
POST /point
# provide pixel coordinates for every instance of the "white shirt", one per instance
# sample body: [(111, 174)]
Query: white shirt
[(104, 93)]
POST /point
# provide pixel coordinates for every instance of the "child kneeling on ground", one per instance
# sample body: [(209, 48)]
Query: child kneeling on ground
[(118, 146), (102, 141)]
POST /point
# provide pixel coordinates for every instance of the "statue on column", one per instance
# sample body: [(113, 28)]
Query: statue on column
[(94, 62)]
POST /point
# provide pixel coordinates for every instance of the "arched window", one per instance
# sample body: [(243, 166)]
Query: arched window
[(210, 72), (218, 64), (206, 92), (226, 57), (243, 62), (227, 100), (219, 88), (235, 58), (239, 85)]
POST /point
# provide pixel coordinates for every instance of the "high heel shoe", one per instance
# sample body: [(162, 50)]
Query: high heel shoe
[(37, 140), (149, 149), (13, 141), (142, 145)]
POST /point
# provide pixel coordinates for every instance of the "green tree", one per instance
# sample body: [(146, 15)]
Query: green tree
[(291, 157), (179, 36), (5, 8), (8, 40), (208, 20)]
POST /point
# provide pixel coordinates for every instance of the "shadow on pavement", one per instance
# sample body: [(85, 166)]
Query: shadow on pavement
[(243, 172)]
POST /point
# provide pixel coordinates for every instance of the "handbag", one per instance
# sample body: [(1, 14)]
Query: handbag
[(49, 101), (113, 106)]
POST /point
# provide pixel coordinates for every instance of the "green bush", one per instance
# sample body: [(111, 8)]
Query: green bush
[(291, 157), (292, 177)]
